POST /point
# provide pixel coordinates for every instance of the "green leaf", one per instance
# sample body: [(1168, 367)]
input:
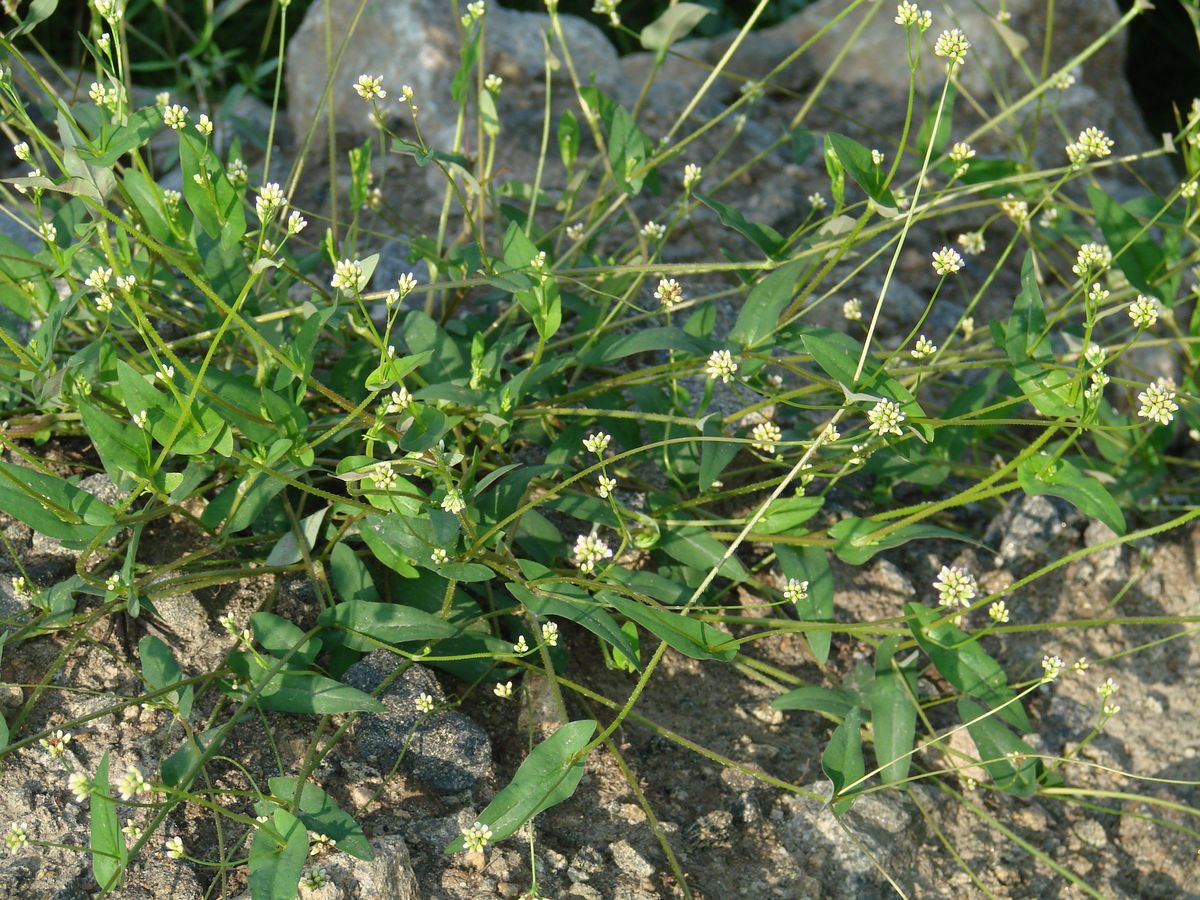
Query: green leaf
[(787, 514), (548, 776), (203, 430), (381, 533), (117, 140), (1050, 389), (39, 11), (1134, 248), (628, 150), (305, 692), (567, 601), (964, 663), (767, 300), (122, 449), (695, 547), (994, 741), (351, 579), (185, 760), (842, 760), (675, 23), (568, 138), (215, 203), (320, 814), (160, 670), (52, 506), (278, 636), (856, 542), (646, 340), (107, 843), (468, 572), (692, 638), (893, 712), (287, 549), (812, 565), (715, 455), (812, 698), (766, 238), (857, 161), (1042, 474), (276, 863), (388, 623)]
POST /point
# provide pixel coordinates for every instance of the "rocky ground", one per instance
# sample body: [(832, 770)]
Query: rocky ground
[(733, 833)]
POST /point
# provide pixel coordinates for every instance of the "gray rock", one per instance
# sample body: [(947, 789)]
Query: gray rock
[(416, 42), (629, 861), (447, 752), (13, 606), (389, 874), (808, 830), (1028, 528)]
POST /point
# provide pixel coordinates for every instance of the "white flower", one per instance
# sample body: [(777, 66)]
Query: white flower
[(1158, 401), (520, 646), (589, 550), (79, 785), (852, 309), (721, 365), (1144, 311), (1016, 210), (817, 201), (175, 847), (1095, 355), (1097, 294), (1081, 664), (972, 242), (439, 555), (885, 418), (99, 94), (953, 45), (21, 151), (141, 418), (955, 586), (175, 116), (370, 87), (550, 633), (924, 347), (204, 126), (162, 99), (15, 838), (765, 435), (691, 176), (575, 232), (477, 836), (401, 399), (1092, 259), (877, 157), (424, 704), (492, 83), (296, 223), (270, 198), (961, 152), (132, 784), (453, 502), (1188, 189), (1051, 667), (998, 612), (56, 744), (908, 15), (113, 582), (947, 261), (99, 277), (654, 231), (1091, 142), (606, 486), (503, 691), (596, 443), (1064, 82), (347, 273), (795, 591), (127, 283)]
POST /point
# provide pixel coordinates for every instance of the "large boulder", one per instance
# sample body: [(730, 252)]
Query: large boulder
[(417, 42)]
